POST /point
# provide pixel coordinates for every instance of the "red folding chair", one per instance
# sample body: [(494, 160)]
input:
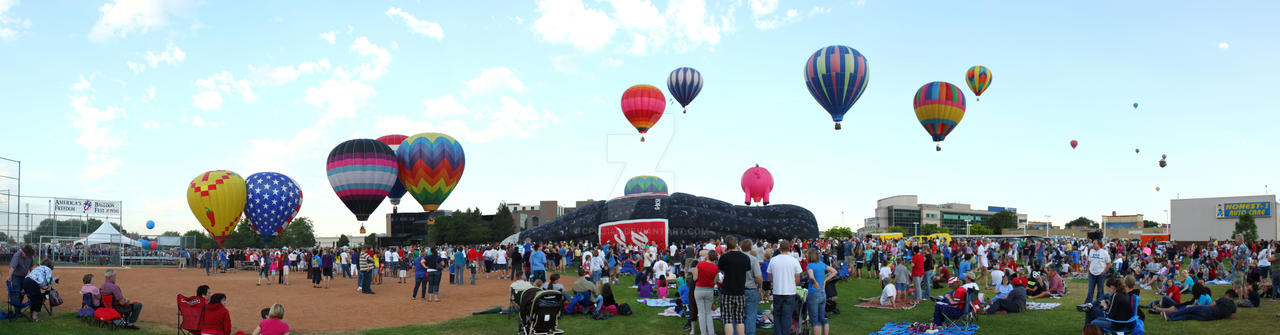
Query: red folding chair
[(107, 314), (190, 314)]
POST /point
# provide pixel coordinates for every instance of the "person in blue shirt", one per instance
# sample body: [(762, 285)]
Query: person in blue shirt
[(459, 261), (816, 299), (538, 264), (420, 276), (964, 266)]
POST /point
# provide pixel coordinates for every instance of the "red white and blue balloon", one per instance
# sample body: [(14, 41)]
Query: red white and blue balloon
[(274, 199)]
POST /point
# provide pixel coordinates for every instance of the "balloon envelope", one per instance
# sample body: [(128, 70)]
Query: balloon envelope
[(836, 77), (939, 107), (431, 165), (154, 245), (757, 182), (362, 172), (397, 191), (217, 199), (1074, 143), (684, 84), (643, 106), (1135, 105), (645, 185), (978, 77), (151, 224), (273, 200)]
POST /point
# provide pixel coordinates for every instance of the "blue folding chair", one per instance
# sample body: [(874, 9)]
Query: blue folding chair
[(1132, 326), (17, 301)]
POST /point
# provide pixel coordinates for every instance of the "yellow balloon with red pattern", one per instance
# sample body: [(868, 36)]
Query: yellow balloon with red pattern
[(217, 200)]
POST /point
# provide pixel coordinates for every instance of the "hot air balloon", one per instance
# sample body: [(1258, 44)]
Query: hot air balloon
[(978, 77), (431, 165), (1074, 143), (1113, 213), (1135, 105), (1136, 150), (939, 107), (757, 182), (1163, 156), (274, 199), (397, 191), (836, 77), (645, 185), (217, 199), (1157, 188), (154, 245), (362, 172), (1163, 163), (684, 84), (151, 224), (643, 106)]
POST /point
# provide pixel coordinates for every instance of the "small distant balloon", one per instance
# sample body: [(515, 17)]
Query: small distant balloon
[(1163, 156), (1074, 143), (1136, 150), (684, 84), (151, 224), (1135, 105), (978, 77), (153, 245), (1157, 188), (1163, 163), (757, 182), (1113, 213)]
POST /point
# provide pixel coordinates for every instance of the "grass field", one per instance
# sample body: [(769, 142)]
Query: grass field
[(1062, 320)]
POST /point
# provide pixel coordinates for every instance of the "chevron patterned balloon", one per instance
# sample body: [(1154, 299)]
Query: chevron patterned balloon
[(645, 185), (431, 165)]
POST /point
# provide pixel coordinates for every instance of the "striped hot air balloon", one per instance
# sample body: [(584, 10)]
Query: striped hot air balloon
[(431, 165), (836, 77), (362, 172), (217, 199), (939, 107), (397, 191), (978, 77), (684, 84), (643, 106), (645, 185)]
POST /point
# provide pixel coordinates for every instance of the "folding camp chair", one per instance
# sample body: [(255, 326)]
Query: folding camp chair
[(17, 301), (1131, 326), (966, 318), (190, 314)]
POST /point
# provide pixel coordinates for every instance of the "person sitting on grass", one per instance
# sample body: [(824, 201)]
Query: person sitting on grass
[(940, 276), (1057, 288), (887, 294), (1223, 308), (1003, 288), (584, 291), (605, 298), (1013, 301), (553, 284), (216, 319), (272, 322), (1170, 296), (1251, 300)]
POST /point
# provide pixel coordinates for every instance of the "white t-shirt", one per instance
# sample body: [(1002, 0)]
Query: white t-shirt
[(345, 258), (886, 272), (393, 256), (1264, 258), (1099, 259), (888, 293), (782, 270), (660, 268), (997, 277), (671, 251), (500, 257)]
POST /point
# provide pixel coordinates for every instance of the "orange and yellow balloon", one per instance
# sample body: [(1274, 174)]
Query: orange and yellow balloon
[(217, 200), (939, 107)]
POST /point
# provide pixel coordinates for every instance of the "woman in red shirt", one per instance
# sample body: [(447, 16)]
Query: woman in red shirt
[(705, 274), (217, 321)]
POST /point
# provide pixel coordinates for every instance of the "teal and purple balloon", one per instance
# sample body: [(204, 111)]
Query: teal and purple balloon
[(645, 185), (684, 84)]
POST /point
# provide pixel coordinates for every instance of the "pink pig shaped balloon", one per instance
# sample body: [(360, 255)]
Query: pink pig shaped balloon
[(757, 183)]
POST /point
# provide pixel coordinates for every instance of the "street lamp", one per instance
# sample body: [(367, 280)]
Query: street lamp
[(966, 227), (917, 224)]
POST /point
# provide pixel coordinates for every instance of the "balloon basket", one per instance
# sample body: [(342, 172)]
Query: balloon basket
[(837, 126), (937, 148), (362, 229), (641, 138), (685, 111)]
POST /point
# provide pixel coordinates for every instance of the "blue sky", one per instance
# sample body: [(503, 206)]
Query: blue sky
[(129, 100)]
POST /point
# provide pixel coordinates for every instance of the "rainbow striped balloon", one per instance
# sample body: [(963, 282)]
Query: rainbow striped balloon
[(645, 185), (643, 106), (836, 77), (939, 107), (431, 165), (978, 77), (362, 172)]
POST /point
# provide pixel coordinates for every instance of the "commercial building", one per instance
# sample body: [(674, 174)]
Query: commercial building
[(905, 211), (1194, 220), (1122, 221), (529, 216)]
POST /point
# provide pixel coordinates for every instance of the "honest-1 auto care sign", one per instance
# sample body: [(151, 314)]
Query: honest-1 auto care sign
[(635, 232)]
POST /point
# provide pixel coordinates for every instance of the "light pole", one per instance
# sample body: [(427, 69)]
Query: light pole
[(917, 224), (966, 227), (19, 180)]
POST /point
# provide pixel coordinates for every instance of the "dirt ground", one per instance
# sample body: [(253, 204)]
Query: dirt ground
[(340, 307)]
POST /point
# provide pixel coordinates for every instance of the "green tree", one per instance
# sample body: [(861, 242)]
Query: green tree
[(371, 240), (243, 237), (170, 233), (1001, 221), (301, 233), (343, 240), (503, 224), (930, 229), (202, 239), (1245, 226), (978, 229), (1082, 222), (838, 232), (1150, 224), (466, 227), (896, 229)]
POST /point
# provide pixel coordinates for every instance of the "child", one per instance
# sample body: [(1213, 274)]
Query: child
[(662, 287), (902, 275)]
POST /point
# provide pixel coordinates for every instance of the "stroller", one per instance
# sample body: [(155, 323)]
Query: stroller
[(832, 295), (540, 312)]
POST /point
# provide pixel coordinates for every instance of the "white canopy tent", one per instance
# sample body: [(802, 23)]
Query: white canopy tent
[(107, 233)]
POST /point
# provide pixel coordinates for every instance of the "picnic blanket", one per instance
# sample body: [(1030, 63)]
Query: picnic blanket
[(901, 304), (656, 302), (1042, 306), (1217, 282), (903, 328), (670, 311)]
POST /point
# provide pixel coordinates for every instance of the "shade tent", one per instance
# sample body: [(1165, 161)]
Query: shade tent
[(107, 233)]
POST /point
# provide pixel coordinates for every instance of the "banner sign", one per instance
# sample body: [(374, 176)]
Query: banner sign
[(84, 206), (635, 232), (1234, 210), (169, 241)]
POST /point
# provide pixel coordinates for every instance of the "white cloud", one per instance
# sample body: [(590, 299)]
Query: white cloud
[(495, 80), (611, 62), (149, 94), (280, 75), (137, 68), (763, 7), (595, 100), (380, 59), (564, 64), (508, 117), (7, 23), (329, 36), (122, 17), (82, 84), (1224, 45), (172, 54), (819, 10), (775, 21), (150, 124), (201, 123), (96, 135), (571, 22), (423, 27), (212, 89), (444, 106), (860, 3), (339, 96), (7, 33), (518, 20)]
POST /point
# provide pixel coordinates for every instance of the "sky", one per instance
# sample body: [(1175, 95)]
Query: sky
[(130, 99)]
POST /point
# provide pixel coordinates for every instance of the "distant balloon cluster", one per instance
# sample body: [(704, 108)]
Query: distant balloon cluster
[(363, 172)]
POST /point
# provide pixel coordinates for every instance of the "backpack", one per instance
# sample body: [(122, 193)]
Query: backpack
[(624, 309)]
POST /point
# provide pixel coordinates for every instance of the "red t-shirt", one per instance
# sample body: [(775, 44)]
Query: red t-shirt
[(473, 255), (917, 265), (707, 272), (1174, 293)]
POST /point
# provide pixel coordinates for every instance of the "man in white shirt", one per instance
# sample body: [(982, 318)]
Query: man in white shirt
[(982, 255), (887, 294), (997, 276), (1099, 260), (660, 268), (785, 271)]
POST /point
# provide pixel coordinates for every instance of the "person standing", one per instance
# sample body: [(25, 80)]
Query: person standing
[(513, 255), (785, 271), (752, 288), (459, 261), (20, 264), (473, 262), (735, 265), (538, 262), (326, 267), (704, 291), (819, 274), (1099, 260), (435, 267), (344, 259), (419, 277), (366, 271), (917, 271)]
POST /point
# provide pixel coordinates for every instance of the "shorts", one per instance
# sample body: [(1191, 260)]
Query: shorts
[(732, 308), (901, 287), (328, 272), (1238, 278)]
